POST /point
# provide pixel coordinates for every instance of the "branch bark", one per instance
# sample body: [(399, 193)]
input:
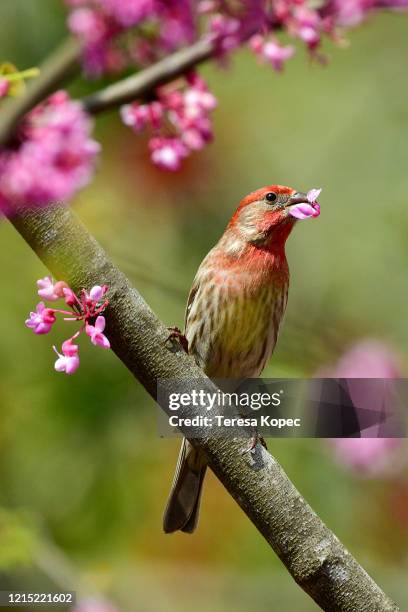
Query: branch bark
[(317, 560)]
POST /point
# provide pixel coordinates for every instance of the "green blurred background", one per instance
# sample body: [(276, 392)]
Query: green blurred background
[(83, 474)]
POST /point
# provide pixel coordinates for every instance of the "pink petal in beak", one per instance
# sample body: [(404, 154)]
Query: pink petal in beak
[(304, 210)]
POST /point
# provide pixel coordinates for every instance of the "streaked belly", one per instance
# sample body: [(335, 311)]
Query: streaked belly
[(233, 335)]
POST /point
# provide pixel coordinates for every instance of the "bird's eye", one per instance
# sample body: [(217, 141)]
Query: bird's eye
[(271, 197)]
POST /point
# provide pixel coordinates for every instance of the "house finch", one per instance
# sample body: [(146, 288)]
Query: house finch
[(233, 314)]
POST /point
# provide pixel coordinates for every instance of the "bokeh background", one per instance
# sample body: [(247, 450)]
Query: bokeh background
[(83, 473)]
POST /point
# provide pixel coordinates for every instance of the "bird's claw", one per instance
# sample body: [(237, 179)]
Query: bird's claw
[(177, 334), (255, 438)]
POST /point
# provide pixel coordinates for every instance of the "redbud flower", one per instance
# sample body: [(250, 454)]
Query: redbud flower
[(87, 24), (226, 31), (129, 12), (271, 51), (139, 116), (95, 333), (42, 320), (69, 296), (97, 293), (50, 291), (167, 153), (68, 362)]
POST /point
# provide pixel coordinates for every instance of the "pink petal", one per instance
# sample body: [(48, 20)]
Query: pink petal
[(96, 293), (60, 364), (69, 348), (100, 323), (43, 328), (72, 364), (302, 211), (103, 341), (90, 330), (69, 296), (313, 194)]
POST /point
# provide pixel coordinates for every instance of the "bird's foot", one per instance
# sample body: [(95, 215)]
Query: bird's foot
[(177, 334), (255, 438)]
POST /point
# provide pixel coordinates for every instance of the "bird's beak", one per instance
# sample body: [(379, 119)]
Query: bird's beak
[(297, 198), (302, 206)]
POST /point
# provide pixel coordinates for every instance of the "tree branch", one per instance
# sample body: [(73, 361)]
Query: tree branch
[(145, 81), (311, 552)]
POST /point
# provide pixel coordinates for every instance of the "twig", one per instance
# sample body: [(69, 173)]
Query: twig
[(60, 66), (311, 552), (148, 79)]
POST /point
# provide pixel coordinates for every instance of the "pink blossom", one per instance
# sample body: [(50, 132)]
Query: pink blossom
[(68, 362), (128, 13), (87, 24), (56, 140), (313, 194), (138, 116), (97, 292), (271, 51), (42, 320), (69, 348), (69, 296), (4, 87), (226, 31), (368, 358), (50, 291), (306, 24), (304, 211), (185, 109), (369, 455), (95, 333), (167, 153), (102, 24)]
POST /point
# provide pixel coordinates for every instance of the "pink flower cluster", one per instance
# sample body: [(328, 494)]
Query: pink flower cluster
[(88, 308), (159, 27), (178, 119), (120, 33), (102, 26), (52, 158)]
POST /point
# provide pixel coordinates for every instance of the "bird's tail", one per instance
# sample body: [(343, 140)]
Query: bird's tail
[(183, 505)]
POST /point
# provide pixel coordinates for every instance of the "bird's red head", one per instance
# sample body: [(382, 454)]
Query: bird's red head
[(268, 215)]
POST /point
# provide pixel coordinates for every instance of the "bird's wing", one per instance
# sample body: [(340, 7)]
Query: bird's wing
[(190, 300)]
